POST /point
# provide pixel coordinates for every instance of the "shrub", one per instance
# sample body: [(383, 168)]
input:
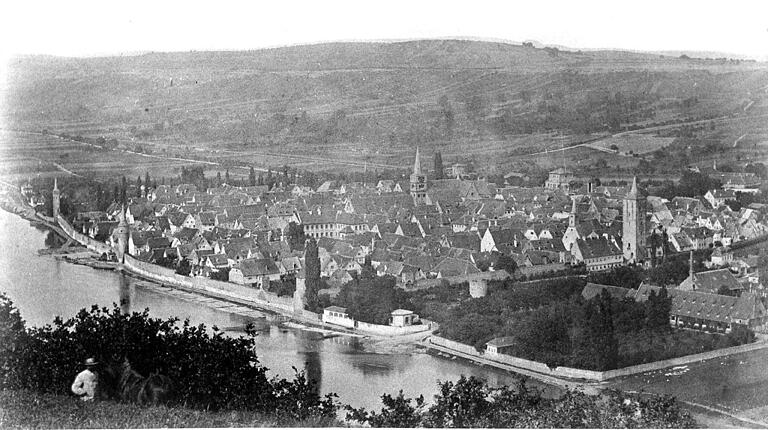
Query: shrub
[(210, 370), (470, 402)]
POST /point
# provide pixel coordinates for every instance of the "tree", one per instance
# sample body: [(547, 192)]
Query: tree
[(226, 177), (138, 187), (438, 165), (123, 189), (252, 177), (312, 272), (218, 179), (595, 343), (147, 181), (184, 268), (296, 237), (505, 262), (657, 309)]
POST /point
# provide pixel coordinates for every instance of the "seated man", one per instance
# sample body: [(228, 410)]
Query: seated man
[(86, 381)]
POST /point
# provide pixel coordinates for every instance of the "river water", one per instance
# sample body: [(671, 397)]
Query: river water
[(43, 287)]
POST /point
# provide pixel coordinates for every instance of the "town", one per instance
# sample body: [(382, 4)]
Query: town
[(445, 226)]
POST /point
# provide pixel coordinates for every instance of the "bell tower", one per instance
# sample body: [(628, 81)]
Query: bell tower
[(418, 183), (633, 226)]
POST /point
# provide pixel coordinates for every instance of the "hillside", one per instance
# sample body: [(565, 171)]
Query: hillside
[(369, 101)]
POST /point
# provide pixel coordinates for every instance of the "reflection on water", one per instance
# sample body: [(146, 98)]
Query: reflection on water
[(43, 287)]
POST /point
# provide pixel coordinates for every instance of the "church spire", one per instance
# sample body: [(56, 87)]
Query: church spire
[(55, 184), (633, 191), (417, 163)]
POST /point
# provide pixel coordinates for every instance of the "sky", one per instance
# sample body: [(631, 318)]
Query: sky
[(98, 28)]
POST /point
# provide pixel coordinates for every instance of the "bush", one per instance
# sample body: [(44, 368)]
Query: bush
[(209, 370), (470, 402)]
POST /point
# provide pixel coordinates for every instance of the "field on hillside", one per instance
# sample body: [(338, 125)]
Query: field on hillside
[(23, 155), (356, 106), (633, 143)]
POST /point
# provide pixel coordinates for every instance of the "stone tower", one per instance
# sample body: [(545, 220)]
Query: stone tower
[(123, 234), (56, 200), (572, 215), (633, 226), (418, 183)]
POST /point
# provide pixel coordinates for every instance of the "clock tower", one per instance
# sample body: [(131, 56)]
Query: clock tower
[(418, 183)]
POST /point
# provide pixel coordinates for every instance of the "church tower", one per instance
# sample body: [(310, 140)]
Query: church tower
[(572, 215), (633, 226), (418, 183), (56, 200), (122, 236)]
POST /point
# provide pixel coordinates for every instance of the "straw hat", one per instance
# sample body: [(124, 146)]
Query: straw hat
[(91, 362)]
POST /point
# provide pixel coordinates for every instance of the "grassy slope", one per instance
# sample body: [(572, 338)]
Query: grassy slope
[(350, 100), (23, 409)]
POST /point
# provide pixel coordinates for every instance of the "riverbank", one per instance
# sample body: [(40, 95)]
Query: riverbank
[(25, 409)]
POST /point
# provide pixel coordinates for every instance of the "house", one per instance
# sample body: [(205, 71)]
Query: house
[(216, 262), (710, 312), (254, 272), (493, 239), (681, 242), (403, 318), (717, 198), (180, 220), (499, 346), (290, 265), (338, 316), (721, 256), (711, 282), (559, 179), (597, 254)]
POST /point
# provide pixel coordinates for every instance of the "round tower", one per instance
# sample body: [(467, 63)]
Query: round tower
[(123, 235)]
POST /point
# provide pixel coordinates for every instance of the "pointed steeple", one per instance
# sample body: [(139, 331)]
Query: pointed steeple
[(121, 221), (417, 163), (633, 191)]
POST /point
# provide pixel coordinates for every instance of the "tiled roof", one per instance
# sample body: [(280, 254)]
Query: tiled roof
[(256, 267), (591, 290), (594, 248), (706, 306)]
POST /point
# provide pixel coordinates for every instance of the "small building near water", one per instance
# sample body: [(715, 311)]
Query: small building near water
[(499, 346), (402, 318), (338, 316)]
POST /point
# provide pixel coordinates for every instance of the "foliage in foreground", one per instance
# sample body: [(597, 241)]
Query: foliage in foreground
[(470, 402), (210, 371), (27, 409), (219, 383)]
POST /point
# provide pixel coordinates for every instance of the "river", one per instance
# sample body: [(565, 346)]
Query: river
[(43, 287)]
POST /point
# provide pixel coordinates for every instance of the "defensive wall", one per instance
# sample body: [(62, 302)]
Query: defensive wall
[(535, 368), (224, 290), (88, 242), (233, 292)]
